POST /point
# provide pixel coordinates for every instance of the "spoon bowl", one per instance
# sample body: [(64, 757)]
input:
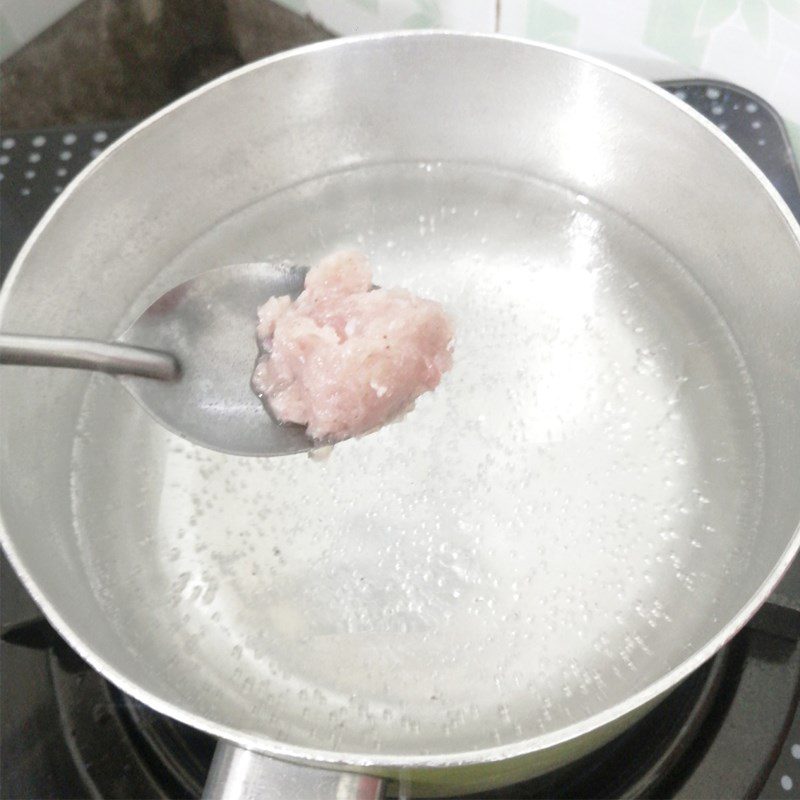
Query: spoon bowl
[(188, 359)]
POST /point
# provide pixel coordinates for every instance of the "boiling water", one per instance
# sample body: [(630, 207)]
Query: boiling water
[(510, 558)]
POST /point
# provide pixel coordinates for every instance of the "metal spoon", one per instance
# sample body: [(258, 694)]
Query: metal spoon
[(188, 359)]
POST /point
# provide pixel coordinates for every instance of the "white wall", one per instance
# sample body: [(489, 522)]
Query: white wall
[(22, 20)]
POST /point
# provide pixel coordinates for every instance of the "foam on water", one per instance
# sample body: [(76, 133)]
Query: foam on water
[(508, 559)]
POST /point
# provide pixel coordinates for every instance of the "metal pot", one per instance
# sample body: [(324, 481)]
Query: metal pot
[(596, 499)]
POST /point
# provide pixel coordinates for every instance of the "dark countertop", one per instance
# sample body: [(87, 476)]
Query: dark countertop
[(124, 59)]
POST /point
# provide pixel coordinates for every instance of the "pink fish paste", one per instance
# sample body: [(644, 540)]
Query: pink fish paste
[(344, 359)]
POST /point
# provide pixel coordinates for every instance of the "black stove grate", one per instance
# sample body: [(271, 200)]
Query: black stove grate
[(716, 735)]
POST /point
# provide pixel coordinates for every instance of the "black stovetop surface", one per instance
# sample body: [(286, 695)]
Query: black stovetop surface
[(732, 729)]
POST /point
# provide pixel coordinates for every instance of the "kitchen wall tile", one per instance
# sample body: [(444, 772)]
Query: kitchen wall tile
[(8, 39), (785, 89), (22, 20), (368, 16), (539, 19), (755, 43), (298, 6), (477, 15), (732, 51)]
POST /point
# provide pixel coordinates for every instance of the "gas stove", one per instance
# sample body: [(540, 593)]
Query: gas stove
[(732, 729)]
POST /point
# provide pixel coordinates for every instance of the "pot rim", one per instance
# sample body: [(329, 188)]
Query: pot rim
[(367, 761)]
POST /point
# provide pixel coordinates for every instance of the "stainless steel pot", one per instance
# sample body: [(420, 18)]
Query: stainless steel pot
[(598, 497)]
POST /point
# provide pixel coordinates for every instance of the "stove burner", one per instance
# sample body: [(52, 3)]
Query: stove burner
[(184, 752), (717, 734), (637, 762), (126, 749), (164, 758)]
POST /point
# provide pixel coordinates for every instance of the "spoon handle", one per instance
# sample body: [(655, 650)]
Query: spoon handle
[(109, 357)]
